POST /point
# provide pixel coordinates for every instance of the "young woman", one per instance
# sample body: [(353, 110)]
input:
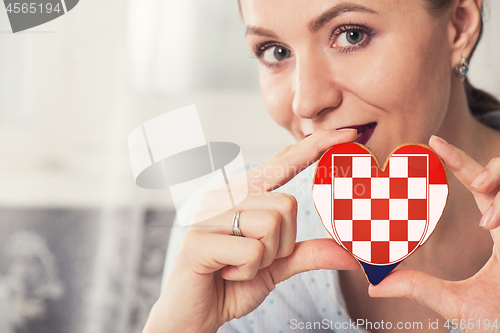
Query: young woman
[(379, 72)]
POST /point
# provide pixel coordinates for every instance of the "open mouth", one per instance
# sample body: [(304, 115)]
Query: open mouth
[(364, 132)]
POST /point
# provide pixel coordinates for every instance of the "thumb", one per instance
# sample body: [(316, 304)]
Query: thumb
[(311, 255), (464, 167), (439, 295)]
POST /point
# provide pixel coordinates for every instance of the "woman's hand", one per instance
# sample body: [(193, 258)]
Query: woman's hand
[(217, 276), (473, 304)]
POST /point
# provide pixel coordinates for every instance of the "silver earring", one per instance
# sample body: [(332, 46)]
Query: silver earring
[(461, 71)]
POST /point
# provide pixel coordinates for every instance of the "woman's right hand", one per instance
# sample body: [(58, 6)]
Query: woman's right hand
[(218, 277)]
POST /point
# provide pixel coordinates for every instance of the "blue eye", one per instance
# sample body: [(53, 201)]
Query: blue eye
[(276, 54), (354, 37), (351, 37)]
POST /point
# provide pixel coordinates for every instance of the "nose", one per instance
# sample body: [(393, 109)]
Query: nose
[(316, 92)]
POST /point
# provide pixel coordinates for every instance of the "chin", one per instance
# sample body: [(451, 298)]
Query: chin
[(381, 148)]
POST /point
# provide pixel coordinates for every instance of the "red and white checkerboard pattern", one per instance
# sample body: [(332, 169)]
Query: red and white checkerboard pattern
[(381, 217)]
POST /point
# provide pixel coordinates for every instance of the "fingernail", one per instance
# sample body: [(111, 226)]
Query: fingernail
[(479, 179), (347, 130), (487, 216), (441, 140)]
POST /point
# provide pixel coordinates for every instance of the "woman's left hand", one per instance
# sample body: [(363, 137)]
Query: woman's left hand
[(474, 301)]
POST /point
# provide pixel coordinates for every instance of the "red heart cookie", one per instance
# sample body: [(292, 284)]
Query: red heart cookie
[(380, 215)]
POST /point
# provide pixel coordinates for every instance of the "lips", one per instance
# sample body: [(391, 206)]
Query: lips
[(364, 132)]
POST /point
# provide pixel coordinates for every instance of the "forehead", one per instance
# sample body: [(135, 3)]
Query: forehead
[(279, 12)]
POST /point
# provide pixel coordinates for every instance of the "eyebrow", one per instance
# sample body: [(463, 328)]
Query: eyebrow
[(260, 32), (335, 11), (317, 23)]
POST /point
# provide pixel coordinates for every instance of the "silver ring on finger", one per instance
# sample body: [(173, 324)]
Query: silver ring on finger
[(236, 224)]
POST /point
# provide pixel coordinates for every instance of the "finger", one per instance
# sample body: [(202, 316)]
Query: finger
[(291, 160), (439, 295), (464, 167), (489, 179), (206, 253), (491, 218), (287, 207), (262, 225), (311, 255), (284, 204)]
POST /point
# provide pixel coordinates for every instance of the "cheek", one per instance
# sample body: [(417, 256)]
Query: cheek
[(417, 82), (409, 82), (428, 88), (278, 98)]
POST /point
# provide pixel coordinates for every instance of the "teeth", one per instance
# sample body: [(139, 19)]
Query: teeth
[(363, 131)]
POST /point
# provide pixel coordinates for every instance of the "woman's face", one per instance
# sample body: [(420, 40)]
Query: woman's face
[(380, 66)]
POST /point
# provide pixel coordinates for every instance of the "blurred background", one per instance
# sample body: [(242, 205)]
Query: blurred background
[(82, 247)]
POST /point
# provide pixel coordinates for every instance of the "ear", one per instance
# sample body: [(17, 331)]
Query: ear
[(464, 28)]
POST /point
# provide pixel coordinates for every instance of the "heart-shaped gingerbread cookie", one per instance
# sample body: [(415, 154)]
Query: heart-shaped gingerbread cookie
[(380, 215)]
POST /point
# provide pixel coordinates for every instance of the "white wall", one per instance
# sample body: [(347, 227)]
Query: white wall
[(67, 106)]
